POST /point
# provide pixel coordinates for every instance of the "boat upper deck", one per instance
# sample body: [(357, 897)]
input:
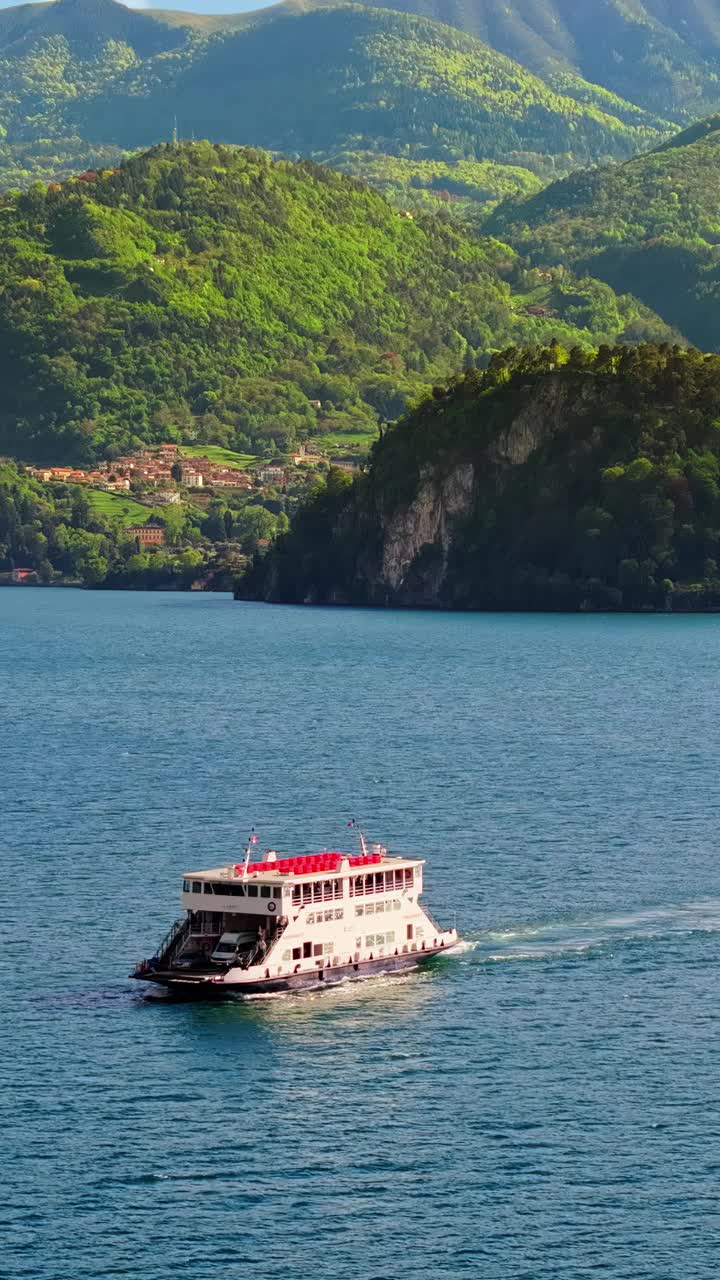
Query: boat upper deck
[(304, 867)]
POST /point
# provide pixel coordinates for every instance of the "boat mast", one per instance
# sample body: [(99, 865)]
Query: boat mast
[(252, 839), (363, 846)]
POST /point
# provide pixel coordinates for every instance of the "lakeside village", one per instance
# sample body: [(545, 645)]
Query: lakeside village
[(161, 517), (157, 474)]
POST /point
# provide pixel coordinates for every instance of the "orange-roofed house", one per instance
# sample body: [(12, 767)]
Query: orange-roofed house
[(147, 535)]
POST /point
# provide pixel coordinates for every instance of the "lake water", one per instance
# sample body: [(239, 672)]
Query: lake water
[(544, 1104)]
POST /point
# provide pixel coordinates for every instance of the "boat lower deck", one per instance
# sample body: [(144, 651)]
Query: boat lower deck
[(209, 985)]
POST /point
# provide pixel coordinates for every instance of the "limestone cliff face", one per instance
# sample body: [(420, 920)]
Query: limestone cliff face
[(536, 421), (418, 540), (426, 524)]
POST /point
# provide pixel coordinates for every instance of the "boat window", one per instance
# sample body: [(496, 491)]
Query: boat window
[(307, 893), (307, 949), (197, 887), (310, 917), (389, 937), (207, 888), (397, 904), (329, 948), (379, 906), (317, 891), (358, 942), (338, 891), (360, 910), (318, 948), (329, 915), (339, 914), (265, 891), (379, 881), (296, 893), (186, 886), (230, 890), (252, 891), (359, 885), (370, 909), (409, 932), (286, 956), (368, 884), (408, 876), (296, 953), (389, 879), (328, 888), (398, 879), (370, 940)]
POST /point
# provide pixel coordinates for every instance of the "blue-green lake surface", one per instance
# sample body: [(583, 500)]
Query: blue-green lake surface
[(544, 1104)]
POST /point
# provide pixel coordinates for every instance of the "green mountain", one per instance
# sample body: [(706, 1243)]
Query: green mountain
[(651, 226), (551, 481), (663, 55), (209, 294), (93, 74)]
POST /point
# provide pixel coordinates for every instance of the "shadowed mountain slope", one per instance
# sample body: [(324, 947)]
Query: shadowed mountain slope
[(652, 224), (661, 54)]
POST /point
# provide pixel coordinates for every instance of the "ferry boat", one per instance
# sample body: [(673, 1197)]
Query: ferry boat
[(293, 923)]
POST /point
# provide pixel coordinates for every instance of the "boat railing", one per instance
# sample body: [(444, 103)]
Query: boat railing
[(172, 942), (440, 928)]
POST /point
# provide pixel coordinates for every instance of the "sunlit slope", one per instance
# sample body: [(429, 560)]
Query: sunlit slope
[(224, 293)]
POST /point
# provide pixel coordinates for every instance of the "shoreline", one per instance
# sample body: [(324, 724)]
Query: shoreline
[(376, 608)]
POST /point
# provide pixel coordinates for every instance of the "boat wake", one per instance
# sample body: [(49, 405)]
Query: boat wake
[(589, 934)]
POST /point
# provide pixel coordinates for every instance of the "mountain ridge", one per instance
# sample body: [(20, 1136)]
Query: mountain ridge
[(661, 54), (316, 82)]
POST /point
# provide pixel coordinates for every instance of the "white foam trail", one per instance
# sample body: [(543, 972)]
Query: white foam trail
[(538, 941)]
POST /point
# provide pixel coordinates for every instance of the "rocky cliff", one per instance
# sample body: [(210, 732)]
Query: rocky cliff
[(552, 480)]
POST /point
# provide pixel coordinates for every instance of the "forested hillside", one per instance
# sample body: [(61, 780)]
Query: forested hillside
[(550, 481), (663, 55), (54, 55), (651, 225), (207, 293), (81, 80)]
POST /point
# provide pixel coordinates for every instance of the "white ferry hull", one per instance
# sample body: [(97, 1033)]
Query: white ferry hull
[(214, 987)]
